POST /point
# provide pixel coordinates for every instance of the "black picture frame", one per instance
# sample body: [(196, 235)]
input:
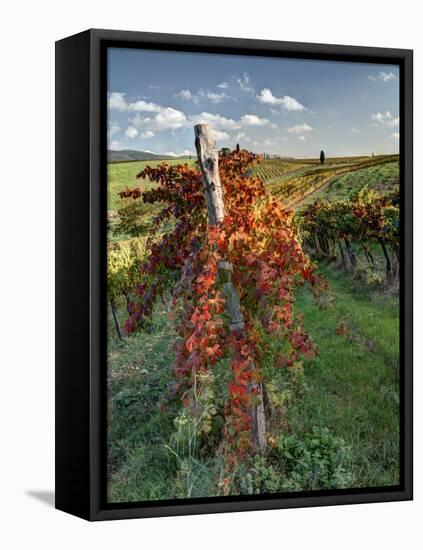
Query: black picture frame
[(81, 180)]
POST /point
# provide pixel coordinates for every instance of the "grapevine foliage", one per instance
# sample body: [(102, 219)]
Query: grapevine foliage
[(123, 260), (257, 238), (366, 217)]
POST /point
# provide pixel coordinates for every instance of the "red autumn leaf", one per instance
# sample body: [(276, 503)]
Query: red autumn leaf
[(191, 342)]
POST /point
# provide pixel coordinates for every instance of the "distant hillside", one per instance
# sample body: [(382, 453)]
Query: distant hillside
[(130, 155)]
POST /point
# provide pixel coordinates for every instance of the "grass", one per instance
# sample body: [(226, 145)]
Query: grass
[(307, 182), (123, 174), (353, 386), (381, 178), (149, 457), (140, 467), (350, 389)]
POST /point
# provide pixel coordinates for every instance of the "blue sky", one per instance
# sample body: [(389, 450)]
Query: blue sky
[(290, 107)]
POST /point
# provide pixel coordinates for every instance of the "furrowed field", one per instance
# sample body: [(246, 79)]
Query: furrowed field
[(334, 419)]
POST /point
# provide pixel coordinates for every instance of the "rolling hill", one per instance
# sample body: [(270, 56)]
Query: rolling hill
[(131, 155)]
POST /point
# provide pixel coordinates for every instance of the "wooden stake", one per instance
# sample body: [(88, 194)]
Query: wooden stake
[(208, 159), (116, 319)]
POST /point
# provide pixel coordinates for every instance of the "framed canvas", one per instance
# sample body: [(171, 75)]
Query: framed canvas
[(233, 274)]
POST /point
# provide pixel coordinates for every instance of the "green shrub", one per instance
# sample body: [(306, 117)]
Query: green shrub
[(299, 462), (315, 460)]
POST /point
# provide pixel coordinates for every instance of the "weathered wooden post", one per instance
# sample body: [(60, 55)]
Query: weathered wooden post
[(208, 159)]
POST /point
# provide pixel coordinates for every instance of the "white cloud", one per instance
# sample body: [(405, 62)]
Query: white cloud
[(223, 85), (355, 131), (266, 96), (242, 136), (214, 97), (170, 118), (115, 146), (302, 138), (216, 121), (253, 120), (383, 76), (184, 153), (131, 132), (137, 120), (300, 128), (286, 102), (219, 122), (244, 83), (386, 77), (113, 129), (185, 95), (150, 151), (291, 104), (382, 117), (150, 118), (217, 98), (219, 135), (116, 100), (386, 119), (166, 119), (395, 135), (273, 125), (144, 106)]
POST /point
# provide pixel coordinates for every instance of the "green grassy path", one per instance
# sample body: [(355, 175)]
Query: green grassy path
[(353, 386)]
